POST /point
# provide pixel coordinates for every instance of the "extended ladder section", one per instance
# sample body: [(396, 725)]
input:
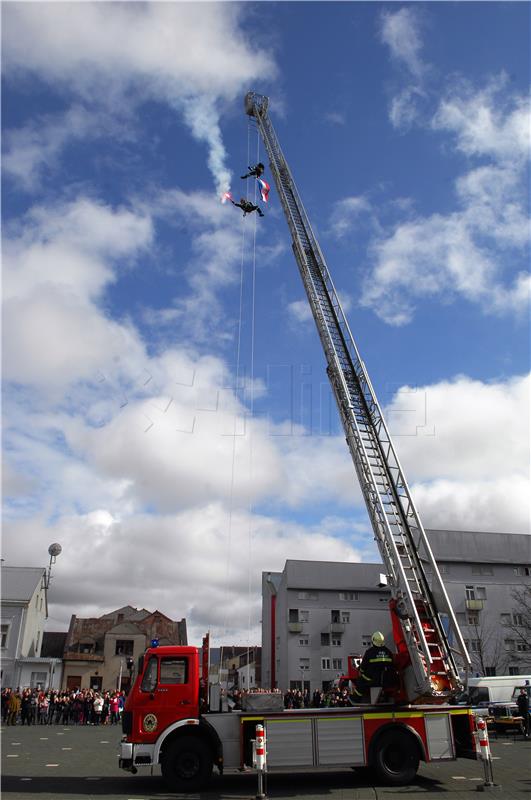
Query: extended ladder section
[(426, 616)]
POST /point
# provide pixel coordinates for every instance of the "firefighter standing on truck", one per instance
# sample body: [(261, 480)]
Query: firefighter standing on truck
[(376, 662)]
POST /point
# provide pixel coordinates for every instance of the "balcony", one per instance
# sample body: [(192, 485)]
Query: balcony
[(474, 605), (337, 627), (295, 627)]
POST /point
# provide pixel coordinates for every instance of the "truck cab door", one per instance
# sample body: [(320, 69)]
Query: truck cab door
[(174, 693), (165, 695)]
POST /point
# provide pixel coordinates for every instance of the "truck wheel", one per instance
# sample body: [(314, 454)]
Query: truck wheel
[(396, 758), (187, 765)]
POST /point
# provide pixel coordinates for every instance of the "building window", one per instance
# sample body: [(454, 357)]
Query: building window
[(522, 571), (124, 647), (4, 633), (514, 671), (304, 641), (348, 595), (325, 663), (304, 664), (521, 647), (475, 645), (308, 596), (336, 641), (345, 617), (475, 592), (490, 672), (337, 663), (444, 569), (325, 640), (298, 615), (473, 618), (366, 640), (482, 569), (505, 619), (335, 616), (38, 680), (508, 644), (461, 618), (518, 619)]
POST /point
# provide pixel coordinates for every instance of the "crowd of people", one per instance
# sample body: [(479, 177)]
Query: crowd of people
[(79, 707)]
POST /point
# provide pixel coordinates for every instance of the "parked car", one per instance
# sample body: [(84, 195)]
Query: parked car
[(504, 717)]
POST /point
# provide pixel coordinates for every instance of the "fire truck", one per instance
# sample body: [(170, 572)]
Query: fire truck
[(171, 716)]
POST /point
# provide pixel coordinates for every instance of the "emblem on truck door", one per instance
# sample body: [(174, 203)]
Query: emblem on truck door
[(149, 723)]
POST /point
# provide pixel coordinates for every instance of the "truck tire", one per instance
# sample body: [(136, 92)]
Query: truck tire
[(187, 764), (396, 758)]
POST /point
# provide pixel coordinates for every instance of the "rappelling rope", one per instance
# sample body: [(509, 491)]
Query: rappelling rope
[(237, 381), (251, 416)]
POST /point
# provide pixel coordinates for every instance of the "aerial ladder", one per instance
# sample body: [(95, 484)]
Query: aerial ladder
[(424, 624)]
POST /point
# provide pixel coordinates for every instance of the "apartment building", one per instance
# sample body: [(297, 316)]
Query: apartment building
[(314, 614)]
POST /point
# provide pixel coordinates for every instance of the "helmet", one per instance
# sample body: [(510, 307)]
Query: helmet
[(378, 638)]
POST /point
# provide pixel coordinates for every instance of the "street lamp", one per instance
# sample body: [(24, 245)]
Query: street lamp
[(54, 550)]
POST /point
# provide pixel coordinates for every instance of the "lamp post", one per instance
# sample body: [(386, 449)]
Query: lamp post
[(54, 550)]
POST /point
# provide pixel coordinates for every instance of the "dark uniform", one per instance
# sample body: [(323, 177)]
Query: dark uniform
[(377, 660), (522, 702), (247, 207), (254, 172)]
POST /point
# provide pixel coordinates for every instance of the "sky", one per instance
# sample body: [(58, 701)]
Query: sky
[(166, 412)]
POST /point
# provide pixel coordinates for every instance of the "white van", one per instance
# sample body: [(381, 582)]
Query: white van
[(499, 689)]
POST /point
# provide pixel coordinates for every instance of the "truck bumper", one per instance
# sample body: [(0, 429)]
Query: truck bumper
[(126, 755)]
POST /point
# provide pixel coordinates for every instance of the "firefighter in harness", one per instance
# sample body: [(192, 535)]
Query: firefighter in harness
[(376, 665)]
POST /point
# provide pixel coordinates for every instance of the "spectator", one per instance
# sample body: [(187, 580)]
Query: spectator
[(523, 709), (15, 703)]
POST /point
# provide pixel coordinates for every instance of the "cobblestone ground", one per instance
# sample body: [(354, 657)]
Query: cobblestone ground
[(53, 762)]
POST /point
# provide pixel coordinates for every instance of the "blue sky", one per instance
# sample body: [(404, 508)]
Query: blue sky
[(133, 298)]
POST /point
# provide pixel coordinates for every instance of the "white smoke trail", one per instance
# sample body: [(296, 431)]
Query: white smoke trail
[(201, 114)]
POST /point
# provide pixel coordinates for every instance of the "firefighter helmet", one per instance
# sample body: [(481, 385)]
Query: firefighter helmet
[(378, 638)]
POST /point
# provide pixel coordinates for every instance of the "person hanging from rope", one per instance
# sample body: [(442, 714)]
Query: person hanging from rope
[(377, 661), (254, 172), (247, 207)]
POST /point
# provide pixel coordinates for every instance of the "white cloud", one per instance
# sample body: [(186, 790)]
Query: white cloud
[(489, 121), (199, 550), (465, 252), (31, 150), (464, 446), (189, 55), (347, 212), (300, 311), (57, 263), (335, 117), (400, 31)]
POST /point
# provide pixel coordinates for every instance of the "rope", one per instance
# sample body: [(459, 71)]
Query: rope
[(251, 414), (233, 464)]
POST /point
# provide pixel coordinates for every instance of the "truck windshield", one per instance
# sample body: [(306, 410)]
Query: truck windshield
[(149, 681)]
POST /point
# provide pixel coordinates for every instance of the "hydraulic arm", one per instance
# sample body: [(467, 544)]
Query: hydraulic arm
[(428, 624)]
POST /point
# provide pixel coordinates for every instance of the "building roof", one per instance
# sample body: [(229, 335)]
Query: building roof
[(480, 547), (337, 576), (19, 583), (126, 627)]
